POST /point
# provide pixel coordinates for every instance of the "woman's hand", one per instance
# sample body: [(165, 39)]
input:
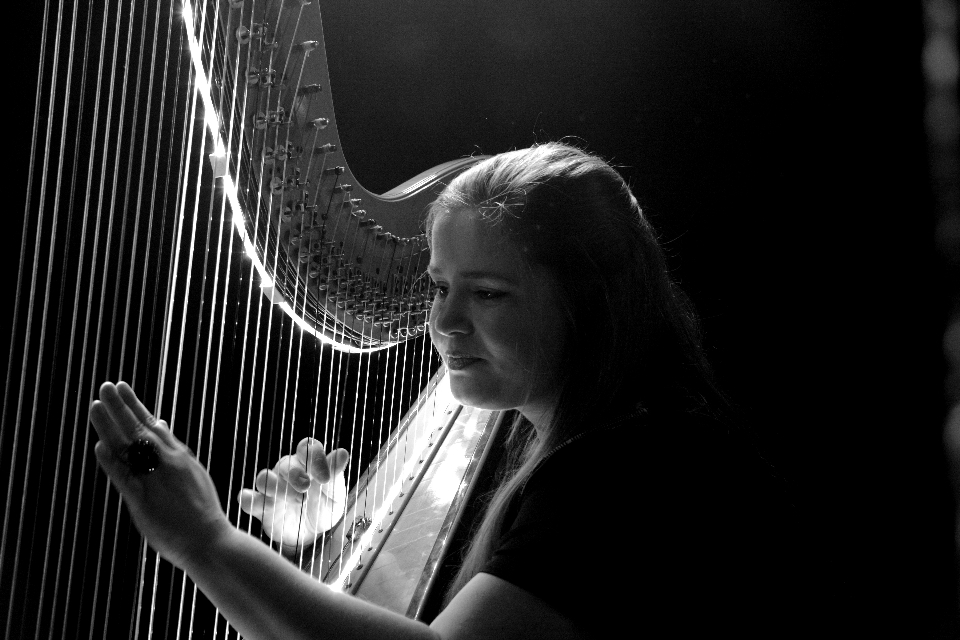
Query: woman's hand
[(301, 497), (176, 506)]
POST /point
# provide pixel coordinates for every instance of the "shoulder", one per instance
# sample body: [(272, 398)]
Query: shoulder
[(680, 505), (664, 456)]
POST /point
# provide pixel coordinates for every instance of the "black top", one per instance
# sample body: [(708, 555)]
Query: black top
[(663, 525)]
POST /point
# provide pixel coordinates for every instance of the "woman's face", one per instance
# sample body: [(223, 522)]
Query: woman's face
[(497, 322)]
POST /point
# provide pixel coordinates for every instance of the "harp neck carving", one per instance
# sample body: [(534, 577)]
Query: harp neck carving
[(346, 263)]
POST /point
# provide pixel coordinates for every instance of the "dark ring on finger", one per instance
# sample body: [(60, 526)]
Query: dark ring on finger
[(142, 456)]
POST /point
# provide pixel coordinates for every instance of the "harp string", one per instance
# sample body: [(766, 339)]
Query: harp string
[(112, 210), (316, 345), (61, 432), (149, 234), (231, 110), (327, 438), (384, 266), (134, 245), (356, 503), (241, 87), (169, 328), (231, 114), (310, 214), (296, 292), (137, 602), (11, 481), (403, 371), (98, 223), (268, 98), (188, 186), (202, 422), (312, 415), (203, 384), (131, 274), (169, 339), (39, 367), (76, 296)]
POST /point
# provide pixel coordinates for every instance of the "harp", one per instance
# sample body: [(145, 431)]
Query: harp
[(191, 226)]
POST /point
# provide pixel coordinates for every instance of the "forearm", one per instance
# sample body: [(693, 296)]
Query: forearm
[(264, 596)]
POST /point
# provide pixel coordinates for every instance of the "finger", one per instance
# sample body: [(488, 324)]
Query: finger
[(337, 461), (110, 433), (252, 502), (267, 482), (144, 417), (163, 433), (130, 426), (290, 468), (297, 477), (312, 455)]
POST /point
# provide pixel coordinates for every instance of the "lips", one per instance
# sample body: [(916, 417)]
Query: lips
[(456, 362)]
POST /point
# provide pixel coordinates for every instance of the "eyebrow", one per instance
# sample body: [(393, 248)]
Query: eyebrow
[(475, 275)]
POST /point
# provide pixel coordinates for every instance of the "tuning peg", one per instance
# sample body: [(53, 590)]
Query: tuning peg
[(268, 78)]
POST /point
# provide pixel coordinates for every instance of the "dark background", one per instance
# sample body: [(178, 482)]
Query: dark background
[(778, 147)]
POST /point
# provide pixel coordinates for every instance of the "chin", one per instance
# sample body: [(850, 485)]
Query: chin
[(468, 393)]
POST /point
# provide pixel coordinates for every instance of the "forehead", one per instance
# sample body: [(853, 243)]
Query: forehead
[(463, 240)]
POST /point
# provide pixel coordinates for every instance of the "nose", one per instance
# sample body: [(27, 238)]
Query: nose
[(450, 316)]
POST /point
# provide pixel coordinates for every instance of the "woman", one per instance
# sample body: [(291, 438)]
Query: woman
[(626, 502)]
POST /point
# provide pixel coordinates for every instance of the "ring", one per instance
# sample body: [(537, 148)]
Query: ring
[(142, 456)]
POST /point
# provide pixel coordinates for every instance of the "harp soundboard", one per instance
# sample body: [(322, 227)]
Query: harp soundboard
[(191, 226)]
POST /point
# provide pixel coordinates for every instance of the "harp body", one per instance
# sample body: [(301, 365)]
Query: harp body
[(192, 227), (402, 515)]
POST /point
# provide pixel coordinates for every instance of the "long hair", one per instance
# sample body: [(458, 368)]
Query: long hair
[(632, 337)]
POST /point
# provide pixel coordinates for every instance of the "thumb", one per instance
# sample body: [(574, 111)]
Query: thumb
[(252, 502)]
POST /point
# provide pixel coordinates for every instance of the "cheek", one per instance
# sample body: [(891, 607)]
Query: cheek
[(533, 349), (543, 348), (435, 336)]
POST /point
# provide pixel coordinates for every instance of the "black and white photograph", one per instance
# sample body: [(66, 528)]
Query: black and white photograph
[(476, 319)]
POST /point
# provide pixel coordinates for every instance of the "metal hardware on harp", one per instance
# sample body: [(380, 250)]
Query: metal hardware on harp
[(206, 240), (353, 259)]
